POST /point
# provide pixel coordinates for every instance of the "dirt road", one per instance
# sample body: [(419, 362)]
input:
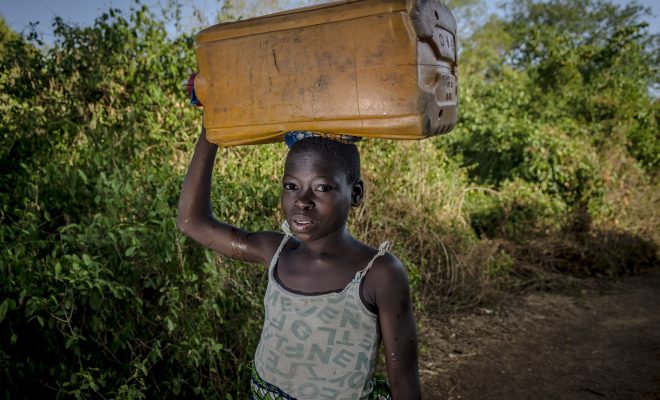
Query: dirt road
[(600, 341)]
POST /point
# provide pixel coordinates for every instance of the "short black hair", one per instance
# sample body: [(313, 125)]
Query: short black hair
[(346, 153)]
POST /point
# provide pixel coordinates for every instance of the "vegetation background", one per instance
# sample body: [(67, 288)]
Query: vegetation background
[(552, 171)]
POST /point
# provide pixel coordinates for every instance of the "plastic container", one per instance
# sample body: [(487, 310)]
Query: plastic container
[(371, 68)]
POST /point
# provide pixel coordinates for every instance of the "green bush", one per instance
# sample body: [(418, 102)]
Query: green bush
[(518, 211), (101, 294)]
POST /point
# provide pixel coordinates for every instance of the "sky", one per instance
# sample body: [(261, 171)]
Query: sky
[(19, 13)]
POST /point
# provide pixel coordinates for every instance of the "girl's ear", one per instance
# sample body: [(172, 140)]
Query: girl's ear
[(357, 193)]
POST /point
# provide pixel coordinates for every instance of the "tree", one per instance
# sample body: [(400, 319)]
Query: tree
[(592, 62), (573, 73)]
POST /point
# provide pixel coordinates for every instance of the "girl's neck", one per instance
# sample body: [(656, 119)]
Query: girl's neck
[(338, 242)]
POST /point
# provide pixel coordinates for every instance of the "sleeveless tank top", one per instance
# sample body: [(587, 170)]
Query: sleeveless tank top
[(318, 346)]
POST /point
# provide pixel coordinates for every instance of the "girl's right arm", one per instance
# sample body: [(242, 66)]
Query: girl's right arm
[(195, 217)]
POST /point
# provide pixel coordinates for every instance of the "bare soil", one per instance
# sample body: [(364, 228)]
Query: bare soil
[(597, 340)]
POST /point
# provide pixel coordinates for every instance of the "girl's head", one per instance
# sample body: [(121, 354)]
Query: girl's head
[(321, 183), (345, 154)]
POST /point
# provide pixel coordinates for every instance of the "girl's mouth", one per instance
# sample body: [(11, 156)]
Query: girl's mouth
[(301, 222)]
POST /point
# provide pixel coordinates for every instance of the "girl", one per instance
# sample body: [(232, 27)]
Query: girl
[(330, 298)]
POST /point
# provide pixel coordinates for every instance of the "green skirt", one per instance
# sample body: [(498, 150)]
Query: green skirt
[(262, 390)]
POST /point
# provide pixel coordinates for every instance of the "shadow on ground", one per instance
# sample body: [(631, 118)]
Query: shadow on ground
[(599, 341)]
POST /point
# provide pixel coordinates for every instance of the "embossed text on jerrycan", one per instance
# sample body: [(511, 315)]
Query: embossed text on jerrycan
[(371, 68)]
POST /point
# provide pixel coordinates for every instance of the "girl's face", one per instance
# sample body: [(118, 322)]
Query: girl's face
[(316, 197)]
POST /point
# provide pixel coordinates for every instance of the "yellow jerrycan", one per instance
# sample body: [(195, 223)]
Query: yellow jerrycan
[(370, 68)]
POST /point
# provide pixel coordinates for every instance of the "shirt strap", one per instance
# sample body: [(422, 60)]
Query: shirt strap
[(273, 261), (382, 249)]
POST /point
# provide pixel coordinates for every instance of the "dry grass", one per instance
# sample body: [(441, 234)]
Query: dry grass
[(414, 197), (632, 198)]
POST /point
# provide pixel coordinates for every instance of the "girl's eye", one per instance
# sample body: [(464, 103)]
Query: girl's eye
[(289, 186), (323, 188)]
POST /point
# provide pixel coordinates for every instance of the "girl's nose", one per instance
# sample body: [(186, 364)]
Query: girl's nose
[(303, 202)]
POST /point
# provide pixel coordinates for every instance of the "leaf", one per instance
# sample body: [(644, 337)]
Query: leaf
[(130, 251), (21, 296), (3, 309), (95, 300), (82, 176)]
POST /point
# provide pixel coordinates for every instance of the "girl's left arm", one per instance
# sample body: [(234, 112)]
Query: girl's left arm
[(397, 324)]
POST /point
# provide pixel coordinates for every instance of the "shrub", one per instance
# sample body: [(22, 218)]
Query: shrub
[(518, 211)]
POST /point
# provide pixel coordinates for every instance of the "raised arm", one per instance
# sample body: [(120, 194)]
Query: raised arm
[(397, 325), (195, 217)]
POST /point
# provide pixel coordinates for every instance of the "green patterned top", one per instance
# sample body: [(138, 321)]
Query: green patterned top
[(318, 346)]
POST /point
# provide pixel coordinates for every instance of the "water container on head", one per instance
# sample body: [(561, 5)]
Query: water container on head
[(370, 68)]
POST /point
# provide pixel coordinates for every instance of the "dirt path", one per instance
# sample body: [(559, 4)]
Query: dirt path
[(598, 342)]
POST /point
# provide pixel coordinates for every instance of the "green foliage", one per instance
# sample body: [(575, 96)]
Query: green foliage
[(500, 140), (103, 296), (6, 36), (501, 265), (547, 92), (519, 210), (593, 64)]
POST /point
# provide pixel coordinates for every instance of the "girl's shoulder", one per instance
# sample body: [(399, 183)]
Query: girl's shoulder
[(386, 279), (388, 267), (268, 243)]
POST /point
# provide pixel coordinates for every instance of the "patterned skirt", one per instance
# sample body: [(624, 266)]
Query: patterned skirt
[(262, 390)]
